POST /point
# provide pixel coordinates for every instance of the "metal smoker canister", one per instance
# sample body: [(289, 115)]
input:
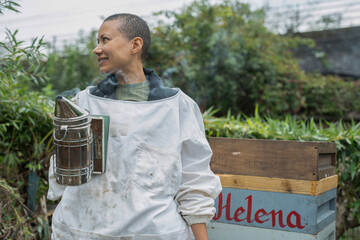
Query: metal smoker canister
[(73, 143)]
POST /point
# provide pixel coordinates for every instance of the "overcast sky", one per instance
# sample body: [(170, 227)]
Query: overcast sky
[(64, 18)]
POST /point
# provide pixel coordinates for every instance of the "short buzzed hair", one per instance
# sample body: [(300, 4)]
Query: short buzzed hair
[(132, 26)]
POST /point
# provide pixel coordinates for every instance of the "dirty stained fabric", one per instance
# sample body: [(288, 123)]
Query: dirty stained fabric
[(158, 180)]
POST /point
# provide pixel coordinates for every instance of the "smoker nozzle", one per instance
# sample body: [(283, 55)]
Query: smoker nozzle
[(67, 109)]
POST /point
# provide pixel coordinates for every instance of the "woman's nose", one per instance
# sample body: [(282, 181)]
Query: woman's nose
[(97, 50)]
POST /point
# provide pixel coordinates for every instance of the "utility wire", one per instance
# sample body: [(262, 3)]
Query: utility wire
[(301, 7), (317, 8), (307, 16), (302, 3)]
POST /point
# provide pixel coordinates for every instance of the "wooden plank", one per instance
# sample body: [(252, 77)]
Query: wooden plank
[(275, 210), (324, 172), (273, 158), (225, 231), (324, 147), (284, 185)]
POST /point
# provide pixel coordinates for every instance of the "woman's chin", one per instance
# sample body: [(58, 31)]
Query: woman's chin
[(104, 70), (109, 71)]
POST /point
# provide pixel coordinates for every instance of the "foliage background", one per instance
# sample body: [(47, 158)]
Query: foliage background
[(25, 137), (221, 55), (74, 66)]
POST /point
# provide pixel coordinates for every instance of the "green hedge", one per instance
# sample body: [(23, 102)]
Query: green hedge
[(331, 97), (345, 135), (74, 66), (25, 138), (223, 56)]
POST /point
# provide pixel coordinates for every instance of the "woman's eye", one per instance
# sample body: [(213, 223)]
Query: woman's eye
[(105, 39)]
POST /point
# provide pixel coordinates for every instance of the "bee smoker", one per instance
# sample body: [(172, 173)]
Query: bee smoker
[(80, 143)]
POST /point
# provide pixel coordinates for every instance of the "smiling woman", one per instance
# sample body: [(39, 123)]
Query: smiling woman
[(158, 181), (122, 54), (121, 51), (110, 41)]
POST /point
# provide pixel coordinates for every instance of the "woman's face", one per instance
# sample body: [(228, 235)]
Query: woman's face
[(113, 50)]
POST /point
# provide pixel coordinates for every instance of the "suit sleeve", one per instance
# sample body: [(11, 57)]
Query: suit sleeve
[(56, 190), (199, 185)]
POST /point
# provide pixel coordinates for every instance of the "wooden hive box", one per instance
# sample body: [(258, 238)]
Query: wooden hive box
[(287, 212), (273, 158), (274, 189)]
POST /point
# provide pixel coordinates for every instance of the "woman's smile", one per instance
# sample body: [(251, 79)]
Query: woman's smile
[(102, 61), (113, 50)]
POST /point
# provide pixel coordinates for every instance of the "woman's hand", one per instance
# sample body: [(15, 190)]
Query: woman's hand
[(200, 231)]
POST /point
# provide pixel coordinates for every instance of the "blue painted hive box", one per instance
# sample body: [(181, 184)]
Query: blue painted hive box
[(285, 187)]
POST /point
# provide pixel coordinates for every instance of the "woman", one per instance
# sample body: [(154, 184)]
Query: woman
[(158, 180)]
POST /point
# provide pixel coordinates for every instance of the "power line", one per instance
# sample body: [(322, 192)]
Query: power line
[(68, 36), (313, 15), (317, 8), (287, 6), (307, 16)]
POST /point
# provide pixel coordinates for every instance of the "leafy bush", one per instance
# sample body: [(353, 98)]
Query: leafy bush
[(346, 137), (25, 122), (223, 56), (74, 66), (25, 135), (331, 97)]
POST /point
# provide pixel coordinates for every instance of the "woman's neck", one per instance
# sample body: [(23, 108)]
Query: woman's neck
[(131, 77)]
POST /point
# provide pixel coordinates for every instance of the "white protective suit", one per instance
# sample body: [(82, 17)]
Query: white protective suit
[(158, 180)]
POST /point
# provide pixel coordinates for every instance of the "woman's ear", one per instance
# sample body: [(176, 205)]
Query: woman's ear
[(136, 45)]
